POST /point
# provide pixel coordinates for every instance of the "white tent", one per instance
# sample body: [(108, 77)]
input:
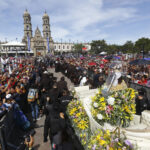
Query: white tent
[(13, 43), (103, 53)]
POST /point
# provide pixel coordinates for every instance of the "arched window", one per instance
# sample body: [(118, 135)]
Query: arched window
[(63, 46), (27, 20), (27, 27), (46, 34), (67, 47), (59, 46)]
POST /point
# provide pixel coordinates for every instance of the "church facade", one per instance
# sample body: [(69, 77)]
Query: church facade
[(39, 44)]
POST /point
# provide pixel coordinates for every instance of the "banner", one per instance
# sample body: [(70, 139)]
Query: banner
[(28, 43), (48, 45)]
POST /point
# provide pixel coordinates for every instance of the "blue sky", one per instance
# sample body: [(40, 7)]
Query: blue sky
[(116, 21)]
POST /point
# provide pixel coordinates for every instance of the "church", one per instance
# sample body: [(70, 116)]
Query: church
[(39, 44)]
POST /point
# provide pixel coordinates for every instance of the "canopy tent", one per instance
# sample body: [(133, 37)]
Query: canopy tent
[(103, 53), (13, 43), (140, 62)]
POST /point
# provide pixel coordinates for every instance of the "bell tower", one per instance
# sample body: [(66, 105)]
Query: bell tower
[(27, 25), (46, 26)]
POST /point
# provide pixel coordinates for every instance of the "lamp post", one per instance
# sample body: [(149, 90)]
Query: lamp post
[(61, 46)]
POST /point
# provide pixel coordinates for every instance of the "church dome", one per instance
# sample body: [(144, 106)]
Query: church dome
[(45, 15), (26, 13)]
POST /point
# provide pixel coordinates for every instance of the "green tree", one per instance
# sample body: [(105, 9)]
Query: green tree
[(128, 47), (112, 49), (142, 44), (98, 46), (78, 48)]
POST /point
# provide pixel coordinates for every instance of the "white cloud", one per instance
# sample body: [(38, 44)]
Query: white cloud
[(72, 19)]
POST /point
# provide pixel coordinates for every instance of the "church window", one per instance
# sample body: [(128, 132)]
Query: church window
[(67, 47), (46, 34), (27, 27), (55, 46), (59, 46), (63, 47), (26, 20)]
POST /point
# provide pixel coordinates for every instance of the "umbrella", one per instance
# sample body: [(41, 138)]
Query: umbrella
[(105, 60), (103, 53), (92, 64), (140, 62), (147, 59), (116, 57), (102, 65), (82, 57), (109, 57)]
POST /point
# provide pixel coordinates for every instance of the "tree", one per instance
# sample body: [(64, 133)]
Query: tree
[(112, 49), (78, 48), (142, 44), (98, 46), (128, 47)]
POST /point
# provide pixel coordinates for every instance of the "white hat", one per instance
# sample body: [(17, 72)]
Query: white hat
[(8, 96), (45, 72)]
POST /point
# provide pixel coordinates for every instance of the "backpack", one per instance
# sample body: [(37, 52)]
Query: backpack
[(20, 119), (32, 95)]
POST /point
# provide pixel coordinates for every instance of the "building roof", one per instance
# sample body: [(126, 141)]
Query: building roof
[(45, 15), (13, 43), (26, 13)]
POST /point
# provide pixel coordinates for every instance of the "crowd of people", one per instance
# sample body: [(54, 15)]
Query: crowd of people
[(28, 91)]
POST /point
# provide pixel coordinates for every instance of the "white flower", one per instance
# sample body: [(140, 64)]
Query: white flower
[(99, 116), (110, 100), (95, 105)]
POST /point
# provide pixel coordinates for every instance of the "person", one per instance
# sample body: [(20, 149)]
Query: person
[(55, 123), (62, 85), (64, 100), (141, 101), (32, 100), (96, 79), (143, 80)]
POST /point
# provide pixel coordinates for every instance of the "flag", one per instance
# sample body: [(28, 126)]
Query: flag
[(84, 48), (10, 72), (28, 43), (48, 45), (2, 61)]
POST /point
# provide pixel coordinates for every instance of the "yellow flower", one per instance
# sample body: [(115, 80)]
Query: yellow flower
[(98, 137), (103, 104), (102, 99), (78, 114), (126, 108), (102, 142), (107, 132), (132, 106), (72, 111)]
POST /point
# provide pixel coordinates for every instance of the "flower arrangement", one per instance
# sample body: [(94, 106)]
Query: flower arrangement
[(117, 108), (106, 140), (79, 120)]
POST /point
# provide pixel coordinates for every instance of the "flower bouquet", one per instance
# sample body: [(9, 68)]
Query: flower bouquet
[(106, 140), (117, 108), (79, 120)]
